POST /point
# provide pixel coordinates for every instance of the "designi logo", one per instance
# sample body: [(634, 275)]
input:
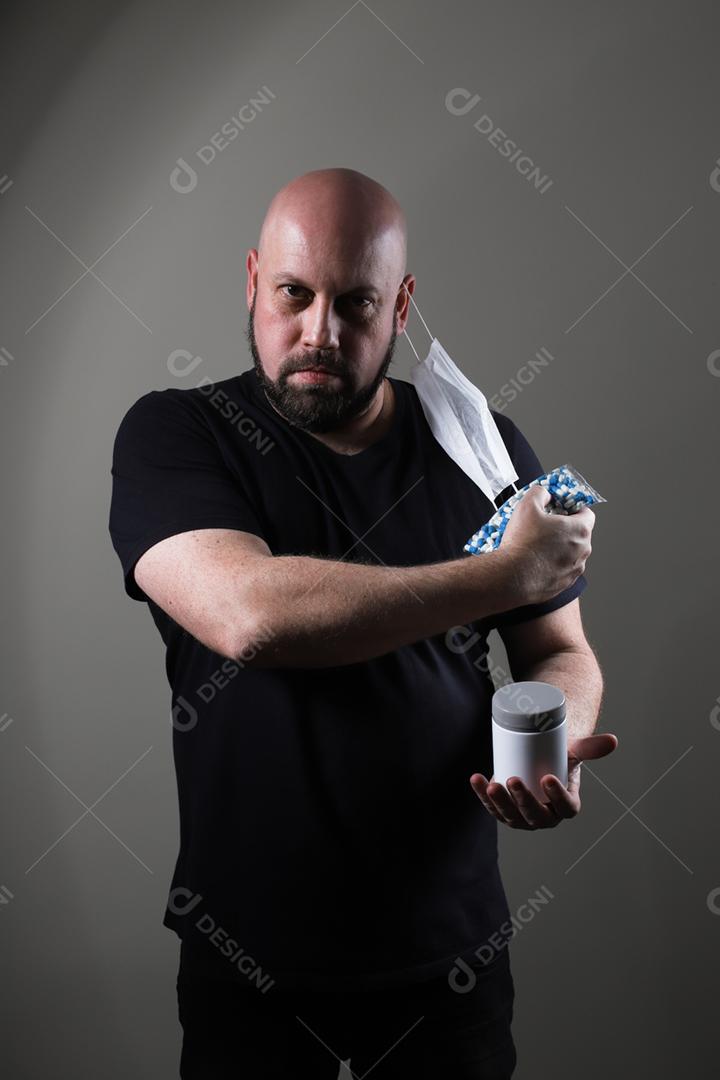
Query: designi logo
[(715, 177), (459, 102), (184, 177)]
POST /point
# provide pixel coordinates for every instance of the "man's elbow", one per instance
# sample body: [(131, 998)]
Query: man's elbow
[(249, 639)]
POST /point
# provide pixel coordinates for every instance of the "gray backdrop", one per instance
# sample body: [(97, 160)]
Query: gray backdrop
[(598, 244)]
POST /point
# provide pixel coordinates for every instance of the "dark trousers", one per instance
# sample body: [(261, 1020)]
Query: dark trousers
[(232, 1029)]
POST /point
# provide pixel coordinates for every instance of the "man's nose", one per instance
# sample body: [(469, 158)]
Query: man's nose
[(320, 325)]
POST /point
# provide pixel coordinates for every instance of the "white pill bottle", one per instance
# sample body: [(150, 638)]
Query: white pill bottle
[(529, 732)]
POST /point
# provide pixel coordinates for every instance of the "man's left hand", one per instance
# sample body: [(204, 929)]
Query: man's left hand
[(516, 805)]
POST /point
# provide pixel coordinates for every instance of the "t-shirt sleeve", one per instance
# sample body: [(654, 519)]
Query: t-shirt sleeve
[(528, 467), (168, 477)]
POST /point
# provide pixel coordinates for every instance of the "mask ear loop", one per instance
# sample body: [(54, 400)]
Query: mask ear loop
[(432, 338), (421, 320)]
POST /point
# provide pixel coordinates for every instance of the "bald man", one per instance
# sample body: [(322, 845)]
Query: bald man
[(295, 531)]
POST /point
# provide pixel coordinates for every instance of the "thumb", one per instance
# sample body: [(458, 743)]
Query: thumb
[(592, 746), (538, 494)]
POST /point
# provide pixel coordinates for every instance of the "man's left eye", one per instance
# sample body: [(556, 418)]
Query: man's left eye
[(361, 301)]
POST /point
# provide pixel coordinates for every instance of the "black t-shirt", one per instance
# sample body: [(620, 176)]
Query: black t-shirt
[(329, 836)]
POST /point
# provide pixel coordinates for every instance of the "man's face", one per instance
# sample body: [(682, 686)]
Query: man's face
[(318, 315)]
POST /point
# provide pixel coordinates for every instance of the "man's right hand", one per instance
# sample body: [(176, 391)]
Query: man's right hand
[(547, 551)]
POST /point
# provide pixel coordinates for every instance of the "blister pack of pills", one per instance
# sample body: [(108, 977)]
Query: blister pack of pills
[(569, 492)]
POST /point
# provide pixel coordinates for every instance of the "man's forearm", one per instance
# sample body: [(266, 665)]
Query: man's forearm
[(311, 612), (577, 673)]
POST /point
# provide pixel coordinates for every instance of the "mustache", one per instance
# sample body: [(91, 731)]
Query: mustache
[(332, 366)]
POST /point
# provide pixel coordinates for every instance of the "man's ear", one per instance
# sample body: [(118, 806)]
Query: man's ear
[(402, 303), (252, 274)]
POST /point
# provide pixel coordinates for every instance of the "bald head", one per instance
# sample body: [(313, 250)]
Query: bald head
[(343, 213), (327, 289)]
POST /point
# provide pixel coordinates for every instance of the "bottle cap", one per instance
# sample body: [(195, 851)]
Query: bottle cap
[(528, 706)]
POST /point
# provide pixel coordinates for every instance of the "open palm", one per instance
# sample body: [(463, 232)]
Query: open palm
[(516, 806)]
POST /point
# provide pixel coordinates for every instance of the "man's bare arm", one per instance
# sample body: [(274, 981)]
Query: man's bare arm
[(227, 589), (321, 612), (578, 674), (553, 648)]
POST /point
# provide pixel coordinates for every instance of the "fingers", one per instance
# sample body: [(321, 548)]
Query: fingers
[(592, 746), (587, 515), (564, 800), (536, 814), (516, 807), (539, 493), (505, 805), (480, 785)]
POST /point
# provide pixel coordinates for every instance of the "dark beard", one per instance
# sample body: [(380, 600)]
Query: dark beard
[(317, 408)]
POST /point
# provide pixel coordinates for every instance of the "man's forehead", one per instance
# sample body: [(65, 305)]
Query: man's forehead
[(345, 248)]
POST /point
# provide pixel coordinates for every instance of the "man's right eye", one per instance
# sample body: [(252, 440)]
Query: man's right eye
[(298, 287)]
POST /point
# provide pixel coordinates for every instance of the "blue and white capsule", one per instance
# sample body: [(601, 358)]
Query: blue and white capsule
[(569, 492)]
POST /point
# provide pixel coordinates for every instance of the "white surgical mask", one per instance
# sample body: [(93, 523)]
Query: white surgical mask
[(460, 419)]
